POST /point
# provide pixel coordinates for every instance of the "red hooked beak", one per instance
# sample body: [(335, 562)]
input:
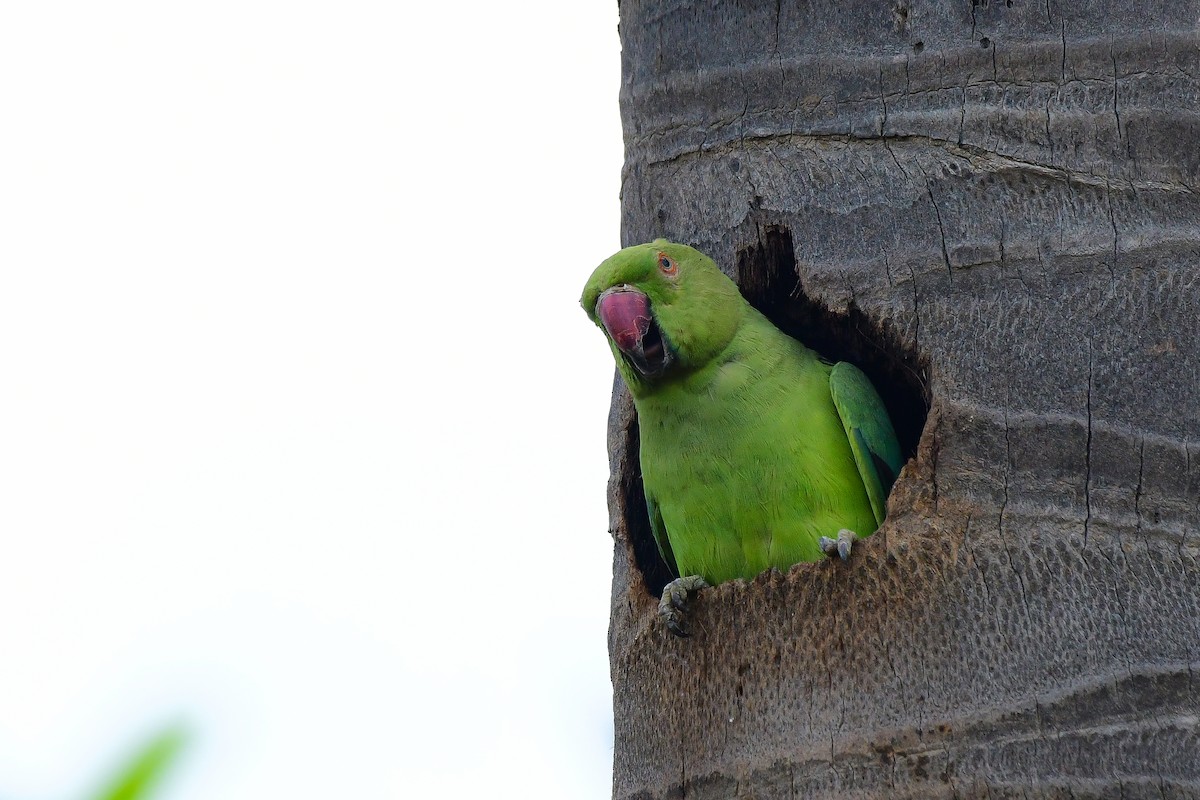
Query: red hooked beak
[(626, 315)]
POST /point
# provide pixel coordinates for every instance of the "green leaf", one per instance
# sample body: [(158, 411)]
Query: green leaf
[(139, 777)]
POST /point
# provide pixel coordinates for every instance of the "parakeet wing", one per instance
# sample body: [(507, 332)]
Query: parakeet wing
[(872, 438), (660, 535)]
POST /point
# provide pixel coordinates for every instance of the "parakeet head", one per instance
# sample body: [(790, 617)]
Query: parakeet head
[(666, 309)]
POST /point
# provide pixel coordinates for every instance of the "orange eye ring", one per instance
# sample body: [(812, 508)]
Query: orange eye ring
[(667, 265)]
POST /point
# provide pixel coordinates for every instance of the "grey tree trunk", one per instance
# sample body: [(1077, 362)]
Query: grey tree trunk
[(993, 208)]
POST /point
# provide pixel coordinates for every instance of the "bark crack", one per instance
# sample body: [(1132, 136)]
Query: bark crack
[(883, 101), (1137, 494), (941, 228), (1112, 221), (1087, 454), (779, 55), (1064, 48), (1049, 136), (916, 313), (1112, 52), (979, 156), (1007, 468), (962, 111), (1187, 481)]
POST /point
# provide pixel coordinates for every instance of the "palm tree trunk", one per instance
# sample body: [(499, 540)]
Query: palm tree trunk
[(994, 208)]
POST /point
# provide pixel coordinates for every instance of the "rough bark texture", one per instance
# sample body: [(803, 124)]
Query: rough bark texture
[(997, 203)]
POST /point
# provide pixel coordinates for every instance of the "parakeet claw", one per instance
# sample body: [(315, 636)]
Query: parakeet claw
[(673, 605), (840, 546)]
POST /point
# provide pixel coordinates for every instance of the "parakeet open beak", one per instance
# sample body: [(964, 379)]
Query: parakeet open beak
[(626, 315)]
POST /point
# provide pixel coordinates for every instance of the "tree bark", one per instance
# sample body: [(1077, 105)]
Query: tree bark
[(993, 207)]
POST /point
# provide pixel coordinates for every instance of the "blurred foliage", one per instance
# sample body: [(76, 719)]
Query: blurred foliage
[(137, 779)]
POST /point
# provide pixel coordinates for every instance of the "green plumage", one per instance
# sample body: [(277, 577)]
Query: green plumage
[(752, 447)]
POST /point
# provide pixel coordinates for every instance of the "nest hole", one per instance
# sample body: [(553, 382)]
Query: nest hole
[(769, 280)]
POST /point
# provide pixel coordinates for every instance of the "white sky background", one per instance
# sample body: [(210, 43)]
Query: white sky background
[(301, 426)]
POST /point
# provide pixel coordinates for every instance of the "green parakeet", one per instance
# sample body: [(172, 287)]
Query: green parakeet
[(755, 451)]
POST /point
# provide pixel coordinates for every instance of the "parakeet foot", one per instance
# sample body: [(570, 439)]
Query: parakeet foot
[(840, 546), (673, 605)]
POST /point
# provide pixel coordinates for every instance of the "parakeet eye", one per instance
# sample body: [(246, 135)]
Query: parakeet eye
[(667, 264)]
